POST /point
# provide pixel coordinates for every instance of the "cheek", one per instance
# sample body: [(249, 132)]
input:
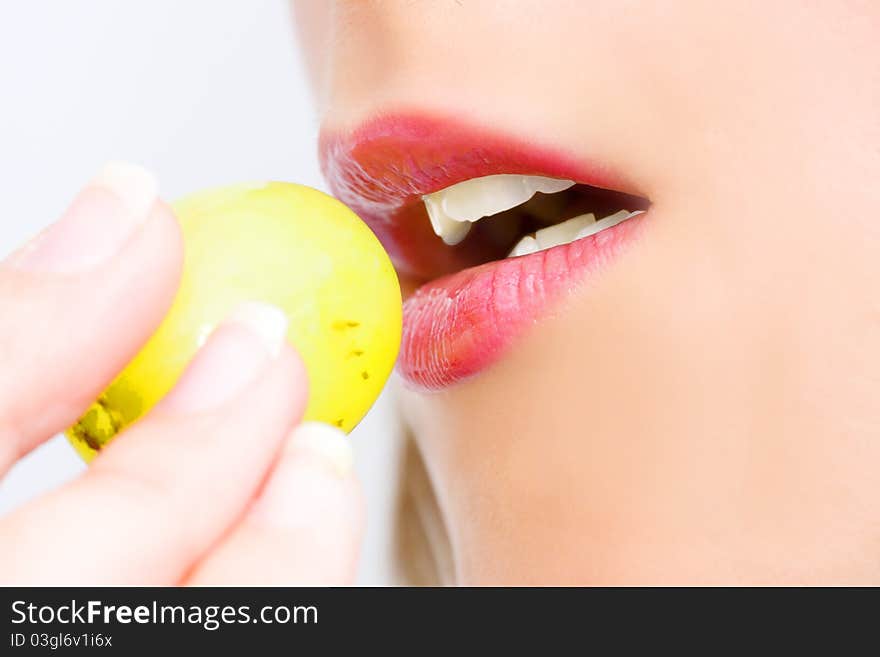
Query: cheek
[(313, 22), (635, 412)]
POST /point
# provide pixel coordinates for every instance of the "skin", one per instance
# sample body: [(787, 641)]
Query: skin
[(175, 499), (706, 411)]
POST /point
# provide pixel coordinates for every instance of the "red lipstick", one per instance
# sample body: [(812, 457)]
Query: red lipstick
[(459, 323)]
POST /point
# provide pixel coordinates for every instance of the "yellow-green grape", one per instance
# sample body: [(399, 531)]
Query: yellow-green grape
[(279, 243)]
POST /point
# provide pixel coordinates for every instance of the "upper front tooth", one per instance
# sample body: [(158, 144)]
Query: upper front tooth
[(450, 231), (474, 199), (452, 210)]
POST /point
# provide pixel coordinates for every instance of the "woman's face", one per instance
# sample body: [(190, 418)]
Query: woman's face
[(691, 395)]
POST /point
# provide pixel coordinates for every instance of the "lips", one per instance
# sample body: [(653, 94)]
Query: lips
[(468, 311)]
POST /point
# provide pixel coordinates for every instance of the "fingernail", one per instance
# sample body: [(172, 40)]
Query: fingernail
[(97, 224), (232, 357), (264, 320), (308, 485), (326, 444)]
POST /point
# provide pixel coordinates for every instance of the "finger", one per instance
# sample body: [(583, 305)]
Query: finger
[(79, 301), (162, 493), (305, 528)]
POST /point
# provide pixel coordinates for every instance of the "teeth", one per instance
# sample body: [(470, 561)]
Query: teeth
[(568, 231), (607, 222), (453, 209), (451, 231), (482, 197), (525, 246), (564, 232)]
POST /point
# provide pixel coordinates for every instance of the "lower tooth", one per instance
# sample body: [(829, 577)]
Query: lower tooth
[(563, 232), (606, 222), (525, 246), (568, 231)]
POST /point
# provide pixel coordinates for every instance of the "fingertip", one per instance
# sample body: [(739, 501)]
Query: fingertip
[(323, 443), (136, 187), (313, 483), (306, 525), (82, 298)]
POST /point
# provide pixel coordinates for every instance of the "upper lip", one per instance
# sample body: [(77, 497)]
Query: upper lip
[(382, 168)]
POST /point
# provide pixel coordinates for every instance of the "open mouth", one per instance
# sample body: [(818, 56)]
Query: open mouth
[(494, 229), (516, 215)]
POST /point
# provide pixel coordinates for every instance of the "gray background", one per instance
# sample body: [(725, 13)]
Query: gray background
[(202, 92)]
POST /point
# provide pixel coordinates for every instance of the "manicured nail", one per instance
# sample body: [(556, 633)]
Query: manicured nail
[(264, 320), (326, 444), (232, 357), (101, 219), (308, 485)]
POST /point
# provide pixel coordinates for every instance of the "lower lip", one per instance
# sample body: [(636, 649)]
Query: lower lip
[(457, 326)]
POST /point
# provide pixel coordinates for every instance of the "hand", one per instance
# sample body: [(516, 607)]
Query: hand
[(218, 484)]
